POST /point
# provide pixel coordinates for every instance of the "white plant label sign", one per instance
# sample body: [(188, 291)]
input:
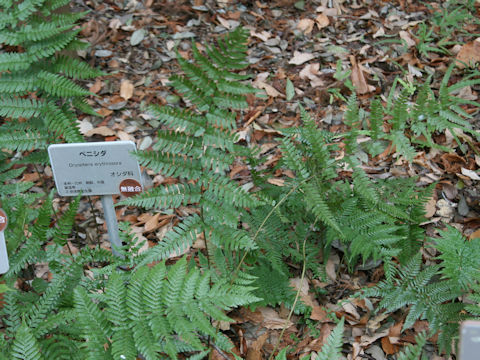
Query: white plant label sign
[(4, 265), (97, 168)]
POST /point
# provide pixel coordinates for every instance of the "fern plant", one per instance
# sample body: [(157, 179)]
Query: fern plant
[(370, 219), (198, 146), (38, 94), (109, 313), (414, 116), (432, 292)]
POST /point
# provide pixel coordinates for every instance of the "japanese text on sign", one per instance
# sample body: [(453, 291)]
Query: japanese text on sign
[(93, 168)]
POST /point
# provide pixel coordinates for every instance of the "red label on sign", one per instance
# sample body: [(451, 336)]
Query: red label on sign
[(130, 187), (3, 220)]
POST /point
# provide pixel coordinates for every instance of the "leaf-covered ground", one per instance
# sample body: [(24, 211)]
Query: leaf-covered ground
[(294, 51)]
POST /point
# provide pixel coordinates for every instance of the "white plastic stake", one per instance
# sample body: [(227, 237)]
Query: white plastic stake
[(4, 265), (112, 224)]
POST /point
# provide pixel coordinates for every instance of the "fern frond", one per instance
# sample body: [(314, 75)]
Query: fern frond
[(95, 327), (39, 32), (25, 345), (63, 122), (331, 350), (18, 107), (414, 352), (460, 257), (317, 204), (177, 240), (171, 164), (65, 223), (48, 47), (178, 119), (59, 86)]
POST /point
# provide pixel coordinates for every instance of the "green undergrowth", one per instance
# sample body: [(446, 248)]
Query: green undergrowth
[(255, 234)]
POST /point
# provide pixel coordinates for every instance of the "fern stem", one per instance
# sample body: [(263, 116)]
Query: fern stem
[(297, 295)]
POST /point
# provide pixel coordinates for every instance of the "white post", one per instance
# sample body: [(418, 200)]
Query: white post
[(4, 266), (112, 224)]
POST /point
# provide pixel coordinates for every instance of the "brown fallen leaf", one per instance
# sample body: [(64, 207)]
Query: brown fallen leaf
[(151, 224), (95, 88), (255, 350), (407, 38), (277, 182), (430, 207), (322, 21), (319, 314), (305, 25), (470, 173), (387, 347), (271, 319), (101, 130), (299, 58), (469, 54), (126, 89), (358, 78), (452, 162)]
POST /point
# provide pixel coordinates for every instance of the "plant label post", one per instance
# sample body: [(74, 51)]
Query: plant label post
[(4, 266), (469, 340), (97, 168)]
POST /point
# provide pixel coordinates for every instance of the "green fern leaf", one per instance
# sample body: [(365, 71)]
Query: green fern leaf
[(25, 346), (331, 350)]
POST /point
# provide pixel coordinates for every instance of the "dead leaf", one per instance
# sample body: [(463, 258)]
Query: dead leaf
[(380, 32), (126, 89), (322, 21), (430, 207), (254, 351), (84, 126), (319, 314), (366, 340), (387, 347), (261, 84), (469, 54), (404, 35), (310, 71), (151, 224), (224, 22), (467, 93), (264, 35), (302, 285), (470, 173), (30, 177), (332, 262), (101, 130), (475, 234), (277, 182), (452, 162), (305, 25), (104, 112), (358, 78), (299, 58), (95, 88), (350, 309), (271, 319)]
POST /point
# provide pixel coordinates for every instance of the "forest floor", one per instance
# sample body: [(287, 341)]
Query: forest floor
[(378, 41)]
